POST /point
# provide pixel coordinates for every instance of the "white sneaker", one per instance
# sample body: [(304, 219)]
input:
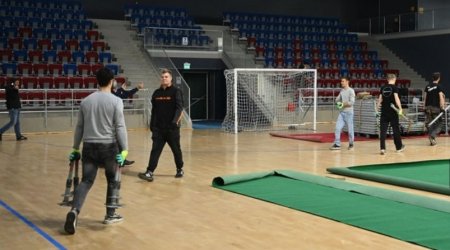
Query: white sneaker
[(382, 152), (111, 219), (401, 149)]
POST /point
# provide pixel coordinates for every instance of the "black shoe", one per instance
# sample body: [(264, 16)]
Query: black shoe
[(335, 147), (350, 146), (148, 176), (127, 162), (401, 149), (71, 222), (1, 137), (179, 173), (21, 138), (432, 141)]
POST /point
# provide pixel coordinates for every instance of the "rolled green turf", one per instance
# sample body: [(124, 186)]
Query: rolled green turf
[(432, 176), (411, 218)]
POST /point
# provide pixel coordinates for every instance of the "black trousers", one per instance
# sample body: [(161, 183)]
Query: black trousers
[(393, 120), (435, 128), (160, 137), (97, 155)]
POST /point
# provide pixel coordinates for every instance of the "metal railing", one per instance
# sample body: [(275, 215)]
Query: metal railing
[(414, 21), (67, 101)]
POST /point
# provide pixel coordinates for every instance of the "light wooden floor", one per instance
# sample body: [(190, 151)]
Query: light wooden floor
[(187, 213)]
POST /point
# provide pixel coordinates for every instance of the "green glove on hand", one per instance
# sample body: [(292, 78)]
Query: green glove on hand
[(75, 155), (339, 105), (400, 112), (120, 158)]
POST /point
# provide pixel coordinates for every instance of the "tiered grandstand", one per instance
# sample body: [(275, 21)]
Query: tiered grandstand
[(54, 49)]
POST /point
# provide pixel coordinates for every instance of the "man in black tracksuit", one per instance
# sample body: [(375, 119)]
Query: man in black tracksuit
[(167, 108), (388, 96), (434, 104)]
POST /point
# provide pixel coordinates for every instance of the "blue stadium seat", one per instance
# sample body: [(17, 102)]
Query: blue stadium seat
[(79, 34), (39, 33), (9, 69), (20, 55), (85, 45), (58, 44), (50, 56), (30, 44), (69, 69), (114, 68), (66, 34), (104, 57), (53, 33), (78, 57)]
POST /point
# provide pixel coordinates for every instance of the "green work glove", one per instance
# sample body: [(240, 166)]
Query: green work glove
[(400, 112), (120, 158), (75, 155), (339, 105)]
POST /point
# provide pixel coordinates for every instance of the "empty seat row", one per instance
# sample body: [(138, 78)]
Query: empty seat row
[(297, 36), (46, 23), (60, 82), (358, 56), (361, 83), (144, 10), (40, 33), (280, 27), (180, 40), (49, 56), (41, 13), (43, 4), (279, 19), (19, 43), (307, 45), (55, 69)]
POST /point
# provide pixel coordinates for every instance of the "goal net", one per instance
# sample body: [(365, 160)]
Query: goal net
[(270, 99)]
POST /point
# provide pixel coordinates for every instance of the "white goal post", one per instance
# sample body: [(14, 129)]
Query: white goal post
[(270, 99)]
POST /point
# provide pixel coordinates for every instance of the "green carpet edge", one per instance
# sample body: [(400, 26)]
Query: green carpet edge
[(398, 181), (412, 199)]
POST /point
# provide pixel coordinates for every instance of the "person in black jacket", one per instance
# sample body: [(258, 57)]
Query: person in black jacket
[(123, 93), (434, 104), (167, 108), (13, 105)]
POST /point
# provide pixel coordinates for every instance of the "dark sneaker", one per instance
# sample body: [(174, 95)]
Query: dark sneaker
[(21, 138), (401, 149), (335, 147), (111, 219), (432, 141), (1, 137), (71, 222), (350, 146), (179, 173), (382, 152), (148, 176), (127, 162)]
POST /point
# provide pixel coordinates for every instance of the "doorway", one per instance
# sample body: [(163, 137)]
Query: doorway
[(198, 83)]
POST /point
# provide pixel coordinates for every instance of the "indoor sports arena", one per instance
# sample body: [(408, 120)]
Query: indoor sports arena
[(224, 125)]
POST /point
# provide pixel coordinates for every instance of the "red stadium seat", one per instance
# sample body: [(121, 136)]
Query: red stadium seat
[(40, 69), (45, 44), (90, 82), (29, 82), (46, 82), (6, 55), (92, 57), (53, 98), (15, 43), (84, 69), (72, 45), (98, 46), (35, 55), (25, 69), (95, 67), (76, 82), (55, 69), (64, 56), (61, 82), (92, 35), (25, 32)]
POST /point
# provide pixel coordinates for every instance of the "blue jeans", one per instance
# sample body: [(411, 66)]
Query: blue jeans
[(344, 117), (13, 121)]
